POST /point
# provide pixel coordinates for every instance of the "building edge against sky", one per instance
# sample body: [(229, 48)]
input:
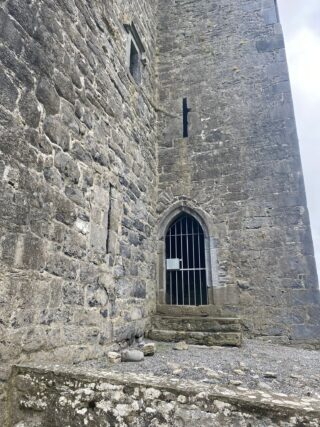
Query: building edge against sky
[(302, 40)]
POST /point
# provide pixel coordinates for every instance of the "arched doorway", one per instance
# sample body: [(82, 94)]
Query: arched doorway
[(186, 276)]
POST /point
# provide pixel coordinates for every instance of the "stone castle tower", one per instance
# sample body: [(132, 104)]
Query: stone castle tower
[(148, 157)]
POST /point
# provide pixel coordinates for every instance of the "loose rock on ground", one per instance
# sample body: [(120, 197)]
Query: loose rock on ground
[(132, 356), (295, 371)]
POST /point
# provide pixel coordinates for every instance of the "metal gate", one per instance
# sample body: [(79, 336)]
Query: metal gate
[(186, 282)]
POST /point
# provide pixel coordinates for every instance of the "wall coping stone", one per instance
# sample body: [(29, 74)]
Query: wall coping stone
[(255, 400)]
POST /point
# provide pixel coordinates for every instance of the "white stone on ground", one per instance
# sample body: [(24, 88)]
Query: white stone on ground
[(114, 358), (149, 349), (132, 356), (182, 345)]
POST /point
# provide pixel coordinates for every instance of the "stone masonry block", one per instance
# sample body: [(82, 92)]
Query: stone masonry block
[(306, 332), (56, 132), (274, 43), (64, 87), (305, 297), (10, 33), (29, 109), (48, 96), (67, 166), (8, 93)]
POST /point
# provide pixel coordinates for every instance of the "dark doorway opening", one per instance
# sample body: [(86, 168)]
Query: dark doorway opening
[(186, 280)]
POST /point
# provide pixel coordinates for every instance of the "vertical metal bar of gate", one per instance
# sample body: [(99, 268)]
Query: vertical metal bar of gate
[(200, 272), (181, 248), (188, 272), (176, 255), (170, 275), (193, 265), (185, 263), (190, 275)]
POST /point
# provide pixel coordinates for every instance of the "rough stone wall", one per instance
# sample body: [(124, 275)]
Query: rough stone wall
[(240, 164), (42, 397), (77, 174)]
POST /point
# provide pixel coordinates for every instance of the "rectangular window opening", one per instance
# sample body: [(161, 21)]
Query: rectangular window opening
[(136, 53)]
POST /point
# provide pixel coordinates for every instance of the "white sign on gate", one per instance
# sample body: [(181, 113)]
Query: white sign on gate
[(173, 264)]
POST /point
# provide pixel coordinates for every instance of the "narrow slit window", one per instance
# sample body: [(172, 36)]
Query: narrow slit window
[(135, 63), (185, 112), (110, 217)]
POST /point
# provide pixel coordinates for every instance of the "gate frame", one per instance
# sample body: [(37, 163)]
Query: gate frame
[(209, 241)]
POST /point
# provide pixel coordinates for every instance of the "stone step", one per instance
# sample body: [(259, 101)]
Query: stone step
[(197, 311), (232, 339), (196, 323)]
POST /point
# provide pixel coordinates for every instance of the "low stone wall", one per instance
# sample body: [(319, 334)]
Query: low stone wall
[(52, 396)]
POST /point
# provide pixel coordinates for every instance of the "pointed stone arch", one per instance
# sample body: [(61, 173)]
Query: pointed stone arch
[(169, 216)]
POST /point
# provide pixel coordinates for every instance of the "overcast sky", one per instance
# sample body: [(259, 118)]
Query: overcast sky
[(300, 21)]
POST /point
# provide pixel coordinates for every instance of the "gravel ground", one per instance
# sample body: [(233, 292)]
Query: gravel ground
[(256, 365)]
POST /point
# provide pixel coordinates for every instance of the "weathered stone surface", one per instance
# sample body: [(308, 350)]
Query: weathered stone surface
[(10, 33), (195, 323), (29, 109), (56, 132), (67, 167), (271, 44), (48, 96), (64, 87), (77, 397), (195, 329), (200, 338), (64, 144), (8, 93)]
